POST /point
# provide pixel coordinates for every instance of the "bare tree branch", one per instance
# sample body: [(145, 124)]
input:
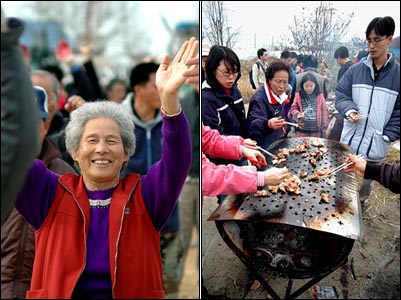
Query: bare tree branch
[(215, 25), (318, 32)]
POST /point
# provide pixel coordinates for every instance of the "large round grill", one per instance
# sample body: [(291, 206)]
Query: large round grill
[(295, 236)]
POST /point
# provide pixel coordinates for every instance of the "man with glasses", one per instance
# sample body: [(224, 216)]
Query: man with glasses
[(368, 97)]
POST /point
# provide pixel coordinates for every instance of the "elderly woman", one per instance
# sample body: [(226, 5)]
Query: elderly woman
[(266, 120), (97, 236)]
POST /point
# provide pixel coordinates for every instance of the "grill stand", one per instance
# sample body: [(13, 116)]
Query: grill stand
[(259, 277)]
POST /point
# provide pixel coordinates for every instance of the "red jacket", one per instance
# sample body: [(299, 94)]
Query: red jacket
[(135, 262)]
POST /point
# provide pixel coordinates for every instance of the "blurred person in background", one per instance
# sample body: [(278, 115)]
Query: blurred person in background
[(90, 71), (371, 89), (361, 56), (300, 63), (326, 73), (143, 105), (81, 84), (259, 68), (56, 123), (116, 90), (19, 114), (17, 235), (189, 198), (342, 57), (107, 215)]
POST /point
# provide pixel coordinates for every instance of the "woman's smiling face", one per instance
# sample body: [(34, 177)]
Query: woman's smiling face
[(101, 153)]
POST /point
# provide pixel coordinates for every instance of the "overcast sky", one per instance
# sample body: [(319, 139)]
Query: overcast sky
[(266, 20)]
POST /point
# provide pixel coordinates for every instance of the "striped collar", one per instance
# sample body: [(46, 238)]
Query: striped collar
[(99, 203)]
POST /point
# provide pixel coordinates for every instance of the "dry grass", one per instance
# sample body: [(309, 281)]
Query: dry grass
[(243, 84), (393, 155)]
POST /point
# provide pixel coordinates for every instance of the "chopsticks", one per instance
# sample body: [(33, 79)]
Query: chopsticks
[(294, 124), (267, 152), (343, 166), (360, 117)]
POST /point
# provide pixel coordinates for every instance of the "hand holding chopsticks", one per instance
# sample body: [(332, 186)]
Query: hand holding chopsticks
[(358, 166), (261, 149), (345, 165), (252, 154), (355, 117), (267, 152)]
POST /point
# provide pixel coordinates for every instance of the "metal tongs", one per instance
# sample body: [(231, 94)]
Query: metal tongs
[(342, 166), (267, 152)]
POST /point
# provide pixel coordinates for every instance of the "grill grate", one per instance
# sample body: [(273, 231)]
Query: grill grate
[(340, 216)]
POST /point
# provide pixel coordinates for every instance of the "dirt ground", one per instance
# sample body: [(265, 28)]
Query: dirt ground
[(372, 270), (189, 288)]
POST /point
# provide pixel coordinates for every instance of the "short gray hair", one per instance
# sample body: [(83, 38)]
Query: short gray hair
[(99, 109)]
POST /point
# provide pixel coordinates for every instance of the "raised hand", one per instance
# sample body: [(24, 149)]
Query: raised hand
[(192, 73), (171, 76)]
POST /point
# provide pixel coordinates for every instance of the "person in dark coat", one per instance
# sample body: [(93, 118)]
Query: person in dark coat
[(17, 235), (19, 129), (222, 104)]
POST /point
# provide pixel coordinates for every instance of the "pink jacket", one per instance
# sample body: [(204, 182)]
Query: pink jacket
[(224, 179)]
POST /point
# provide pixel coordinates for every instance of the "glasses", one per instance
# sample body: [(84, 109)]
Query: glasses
[(227, 74), (280, 82), (375, 41)]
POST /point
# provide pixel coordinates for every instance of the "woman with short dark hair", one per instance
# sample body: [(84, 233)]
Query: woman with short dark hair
[(266, 120)]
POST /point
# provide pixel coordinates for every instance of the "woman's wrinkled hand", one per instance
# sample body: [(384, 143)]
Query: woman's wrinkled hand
[(274, 176)]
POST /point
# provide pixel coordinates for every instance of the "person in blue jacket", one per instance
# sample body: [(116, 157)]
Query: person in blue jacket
[(368, 97)]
